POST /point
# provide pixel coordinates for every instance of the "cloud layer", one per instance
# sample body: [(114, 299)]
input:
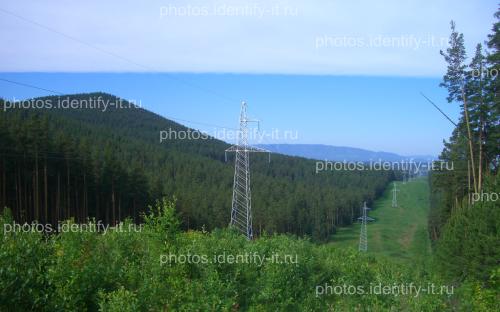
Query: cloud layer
[(392, 37)]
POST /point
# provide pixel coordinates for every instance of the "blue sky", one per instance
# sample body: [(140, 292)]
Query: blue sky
[(377, 113), (337, 72)]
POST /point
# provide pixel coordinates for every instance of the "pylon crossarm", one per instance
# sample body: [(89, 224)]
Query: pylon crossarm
[(247, 148)]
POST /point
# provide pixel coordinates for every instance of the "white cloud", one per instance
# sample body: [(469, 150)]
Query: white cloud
[(239, 36)]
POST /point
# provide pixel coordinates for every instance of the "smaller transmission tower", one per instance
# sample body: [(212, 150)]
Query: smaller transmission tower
[(363, 236), (395, 195), (241, 207)]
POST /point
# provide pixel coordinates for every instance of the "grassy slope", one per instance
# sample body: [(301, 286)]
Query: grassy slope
[(398, 233)]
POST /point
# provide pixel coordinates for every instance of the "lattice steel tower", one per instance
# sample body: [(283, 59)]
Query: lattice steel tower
[(363, 236), (241, 207), (395, 195)]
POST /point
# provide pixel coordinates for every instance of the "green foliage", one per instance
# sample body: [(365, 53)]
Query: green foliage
[(481, 297), (455, 56), (122, 270), (161, 219), (469, 246), (120, 300), (24, 261)]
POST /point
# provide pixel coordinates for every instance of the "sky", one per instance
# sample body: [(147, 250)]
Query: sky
[(345, 73)]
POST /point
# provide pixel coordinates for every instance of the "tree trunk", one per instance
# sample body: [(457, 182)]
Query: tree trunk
[(469, 134), (35, 188), (106, 212), (58, 197), (134, 210), (480, 173), (97, 212), (119, 209), (46, 197), (113, 202), (4, 183), (68, 190), (77, 206), (19, 193), (481, 131), (26, 206), (468, 182), (85, 205), (35, 210)]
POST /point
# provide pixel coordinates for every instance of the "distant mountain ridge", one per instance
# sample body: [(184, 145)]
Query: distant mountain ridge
[(339, 153)]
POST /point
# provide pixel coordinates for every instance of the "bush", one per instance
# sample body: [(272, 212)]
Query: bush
[(24, 259), (122, 271)]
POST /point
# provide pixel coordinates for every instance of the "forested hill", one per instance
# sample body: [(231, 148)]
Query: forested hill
[(85, 162)]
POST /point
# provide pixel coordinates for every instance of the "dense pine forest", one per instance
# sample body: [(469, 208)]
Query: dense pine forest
[(84, 163), (464, 221)]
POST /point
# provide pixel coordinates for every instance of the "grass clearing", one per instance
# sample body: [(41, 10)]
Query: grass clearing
[(399, 233)]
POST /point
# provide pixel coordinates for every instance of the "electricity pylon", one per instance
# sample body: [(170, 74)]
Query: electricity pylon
[(395, 195), (363, 236), (241, 207), (404, 177)]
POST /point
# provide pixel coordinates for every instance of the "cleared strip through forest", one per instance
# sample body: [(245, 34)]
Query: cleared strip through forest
[(399, 233)]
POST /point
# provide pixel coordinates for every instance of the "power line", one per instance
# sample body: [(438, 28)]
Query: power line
[(130, 61), (439, 109), (30, 86), (433, 104)]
